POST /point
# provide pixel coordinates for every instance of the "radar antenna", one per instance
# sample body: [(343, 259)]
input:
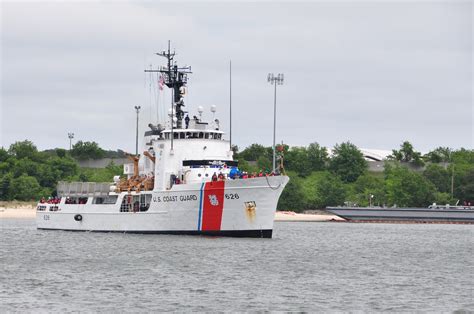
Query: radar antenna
[(175, 78)]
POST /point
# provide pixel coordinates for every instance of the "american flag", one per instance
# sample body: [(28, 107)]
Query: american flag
[(161, 82)]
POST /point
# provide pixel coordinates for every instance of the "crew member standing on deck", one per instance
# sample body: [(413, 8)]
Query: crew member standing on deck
[(186, 121)]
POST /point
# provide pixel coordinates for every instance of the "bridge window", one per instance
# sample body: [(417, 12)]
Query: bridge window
[(145, 200), (109, 199)]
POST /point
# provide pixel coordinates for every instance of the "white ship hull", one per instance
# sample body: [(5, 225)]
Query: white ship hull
[(244, 207)]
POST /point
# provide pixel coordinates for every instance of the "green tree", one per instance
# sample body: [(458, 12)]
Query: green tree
[(440, 154), (66, 166), (24, 149), (245, 166), (296, 159), (317, 156), (407, 153), (264, 164), (365, 187), (83, 177), (114, 170), (407, 188), (462, 166), (443, 198), (25, 166), (439, 176), (24, 188), (331, 191), (60, 152), (48, 176), (5, 181), (98, 175), (7, 165), (463, 156), (309, 186), (347, 162), (255, 151), (3, 154), (292, 197), (87, 150), (464, 189)]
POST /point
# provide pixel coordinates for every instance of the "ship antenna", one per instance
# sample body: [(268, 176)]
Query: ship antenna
[(230, 104), (175, 78)]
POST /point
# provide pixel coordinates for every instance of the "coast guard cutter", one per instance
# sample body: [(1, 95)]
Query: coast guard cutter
[(171, 187)]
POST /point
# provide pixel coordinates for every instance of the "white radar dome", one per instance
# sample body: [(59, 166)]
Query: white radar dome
[(200, 109), (213, 108)]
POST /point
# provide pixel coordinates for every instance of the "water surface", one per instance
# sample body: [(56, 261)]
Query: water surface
[(305, 267)]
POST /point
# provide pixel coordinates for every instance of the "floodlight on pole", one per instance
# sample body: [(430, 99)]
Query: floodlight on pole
[(137, 109), (275, 80), (71, 136)]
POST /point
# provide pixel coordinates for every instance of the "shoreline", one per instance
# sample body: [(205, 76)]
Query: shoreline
[(292, 216), (23, 212), (27, 211)]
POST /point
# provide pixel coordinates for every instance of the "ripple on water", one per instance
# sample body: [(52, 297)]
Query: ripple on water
[(305, 267)]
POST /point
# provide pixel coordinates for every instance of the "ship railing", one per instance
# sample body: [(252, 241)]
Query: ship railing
[(83, 189)]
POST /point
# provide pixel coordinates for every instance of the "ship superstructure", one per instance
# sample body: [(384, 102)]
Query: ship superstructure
[(185, 181)]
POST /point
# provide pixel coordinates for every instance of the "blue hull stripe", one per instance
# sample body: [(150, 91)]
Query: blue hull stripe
[(200, 207)]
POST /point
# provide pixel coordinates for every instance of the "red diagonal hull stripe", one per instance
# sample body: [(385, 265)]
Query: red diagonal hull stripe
[(213, 205)]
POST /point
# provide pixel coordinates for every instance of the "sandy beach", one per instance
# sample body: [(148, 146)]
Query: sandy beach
[(22, 213), (292, 216), (16, 209), (29, 212)]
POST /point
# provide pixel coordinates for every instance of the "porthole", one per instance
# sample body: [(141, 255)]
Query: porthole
[(207, 175), (199, 175)]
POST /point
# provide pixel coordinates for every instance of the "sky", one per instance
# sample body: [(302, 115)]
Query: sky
[(374, 73)]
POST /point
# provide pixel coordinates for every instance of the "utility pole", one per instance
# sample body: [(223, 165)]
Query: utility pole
[(275, 80), (137, 109), (71, 136)]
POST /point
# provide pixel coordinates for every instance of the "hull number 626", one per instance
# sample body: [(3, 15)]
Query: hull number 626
[(232, 196)]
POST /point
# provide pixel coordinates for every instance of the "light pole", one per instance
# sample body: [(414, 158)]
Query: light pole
[(71, 136), (137, 109), (275, 80)]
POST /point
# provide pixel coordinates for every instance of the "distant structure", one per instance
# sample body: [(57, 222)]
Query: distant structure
[(370, 154), (375, 154)]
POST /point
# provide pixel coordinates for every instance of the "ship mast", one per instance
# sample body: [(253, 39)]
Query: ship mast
[(175, 78)]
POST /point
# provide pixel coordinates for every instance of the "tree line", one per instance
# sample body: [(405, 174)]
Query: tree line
[(27, 174), (320, 179)]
